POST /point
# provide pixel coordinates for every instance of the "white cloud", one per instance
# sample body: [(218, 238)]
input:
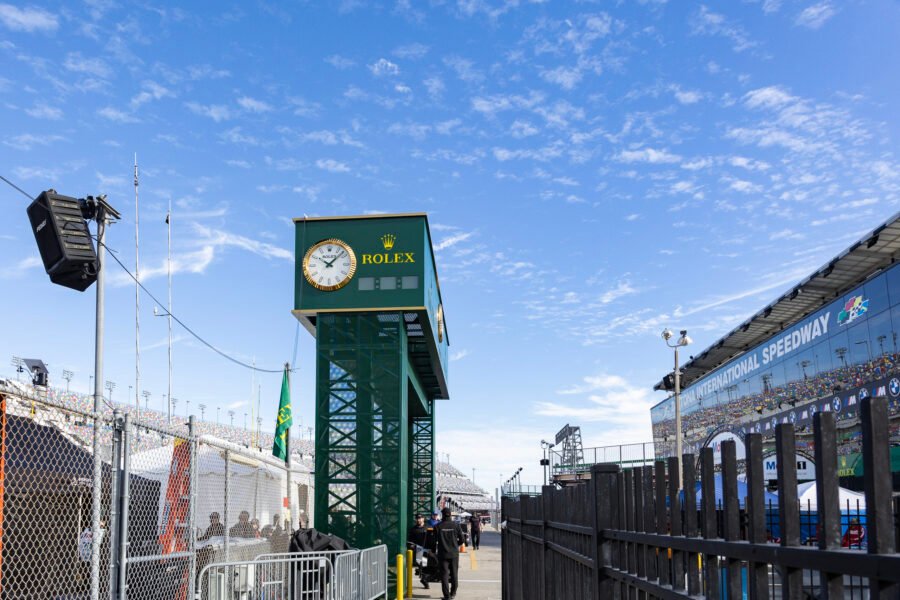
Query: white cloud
[(253, 105), (20, 268), (216, 112), (768, 97), (565, 77), (42, 111), (452, 241), (417, 131), (27, 141), (151, 91), (383, 67), (459, 355), (623, 288), (114, 114), (435, 86), (786, 234), (27, 19), (209, 242), (332, 166), (622, 407), (76, 63), (521, 129), (710, 23), (647, 155), (339, 62), (687, 96), (411, 51), (464, 69), (816, 15)]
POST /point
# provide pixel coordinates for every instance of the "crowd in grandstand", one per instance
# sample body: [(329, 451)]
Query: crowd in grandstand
[(712, 413), (73, 408)]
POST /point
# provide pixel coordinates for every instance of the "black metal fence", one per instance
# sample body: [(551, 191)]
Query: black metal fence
[(633, 534)]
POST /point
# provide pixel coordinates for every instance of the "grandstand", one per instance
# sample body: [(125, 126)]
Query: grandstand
[(450, 482), (824, 345), (301, 449), (452, 486)]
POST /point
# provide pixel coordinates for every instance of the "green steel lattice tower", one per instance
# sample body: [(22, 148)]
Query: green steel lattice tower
[(367, 289)]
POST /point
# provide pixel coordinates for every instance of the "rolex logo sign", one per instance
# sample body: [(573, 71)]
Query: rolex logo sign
[(388, 241)]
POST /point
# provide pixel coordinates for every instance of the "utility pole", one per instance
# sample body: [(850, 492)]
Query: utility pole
[(169, 308)]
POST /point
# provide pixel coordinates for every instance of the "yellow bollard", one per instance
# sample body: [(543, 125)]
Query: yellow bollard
[(399, 577), (409, 573)]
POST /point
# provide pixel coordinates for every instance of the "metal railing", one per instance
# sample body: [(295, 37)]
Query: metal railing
[(633, 532), (624, 455), (332, 575)]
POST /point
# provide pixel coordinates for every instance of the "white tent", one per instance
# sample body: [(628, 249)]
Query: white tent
[(256, 482), (806, 492)]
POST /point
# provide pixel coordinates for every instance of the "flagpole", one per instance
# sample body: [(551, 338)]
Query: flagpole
[(169, 310), (137, 298), (287, 455)]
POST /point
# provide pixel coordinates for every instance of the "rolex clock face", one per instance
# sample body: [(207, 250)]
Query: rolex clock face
[(329, 265), (440, 323)]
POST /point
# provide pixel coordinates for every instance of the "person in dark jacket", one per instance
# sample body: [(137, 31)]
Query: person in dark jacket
[(449, 538), (418, 532), (475, 530), (215, 528)]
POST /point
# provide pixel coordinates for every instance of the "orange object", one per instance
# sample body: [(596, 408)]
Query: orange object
[(172, 537)]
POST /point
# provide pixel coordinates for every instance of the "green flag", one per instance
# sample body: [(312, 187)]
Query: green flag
[(284, 421)]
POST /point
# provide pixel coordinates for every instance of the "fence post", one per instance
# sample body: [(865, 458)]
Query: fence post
[(788, 508), (827, 499), (226, 517), (662, 524), (877, 461), (522, 581), (192, 536), (604, 498), (689, 487), (546, 573), (124, 514), (676, 524), (710, 531), (756, 512), (732, 517), (115, 503)]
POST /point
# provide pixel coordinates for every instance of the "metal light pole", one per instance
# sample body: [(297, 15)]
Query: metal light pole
[(67, 375), (146, 396), (202, 410), (684, 340), (218, 408), (110, 386), (231, 414)]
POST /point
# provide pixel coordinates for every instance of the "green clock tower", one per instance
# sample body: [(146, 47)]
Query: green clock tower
[(367, 289)]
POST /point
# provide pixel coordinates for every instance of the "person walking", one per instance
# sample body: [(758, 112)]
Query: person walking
[(475, 530), (449, 539)]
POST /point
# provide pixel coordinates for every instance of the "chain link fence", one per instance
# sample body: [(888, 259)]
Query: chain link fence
[(97, 506)]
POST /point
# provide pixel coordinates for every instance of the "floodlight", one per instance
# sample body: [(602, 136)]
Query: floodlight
[(667, 334)]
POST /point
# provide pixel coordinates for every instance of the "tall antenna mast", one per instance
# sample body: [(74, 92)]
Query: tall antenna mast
[(169, 269), (137, 296)]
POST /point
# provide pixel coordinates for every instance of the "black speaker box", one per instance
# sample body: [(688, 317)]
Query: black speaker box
[(64, 240)]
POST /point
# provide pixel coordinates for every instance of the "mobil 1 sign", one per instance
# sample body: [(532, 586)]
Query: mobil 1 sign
[(806, 469)]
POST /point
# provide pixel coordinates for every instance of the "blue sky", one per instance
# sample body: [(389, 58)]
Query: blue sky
[(593, 172)]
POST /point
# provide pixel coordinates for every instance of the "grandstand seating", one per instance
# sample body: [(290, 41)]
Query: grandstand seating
[(710, 414)]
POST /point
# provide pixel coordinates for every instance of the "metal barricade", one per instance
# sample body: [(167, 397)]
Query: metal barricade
[(289, 577), (373, 573)]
